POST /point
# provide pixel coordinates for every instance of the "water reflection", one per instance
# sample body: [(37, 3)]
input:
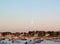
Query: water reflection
[(30, 41)]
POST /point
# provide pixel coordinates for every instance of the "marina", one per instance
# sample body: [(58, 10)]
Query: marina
[(29, 41)]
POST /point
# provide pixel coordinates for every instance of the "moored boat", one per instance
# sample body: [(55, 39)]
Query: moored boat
[(38, 40)]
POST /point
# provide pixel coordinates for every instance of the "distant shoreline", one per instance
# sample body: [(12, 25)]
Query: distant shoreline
[(31, 34)]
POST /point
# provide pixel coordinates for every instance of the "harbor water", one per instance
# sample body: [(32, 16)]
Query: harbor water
[(28, 41)]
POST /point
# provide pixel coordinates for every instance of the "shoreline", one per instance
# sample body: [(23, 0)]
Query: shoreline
[(30, 37)]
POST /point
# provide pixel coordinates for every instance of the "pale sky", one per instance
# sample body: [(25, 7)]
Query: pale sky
[(27, 15)]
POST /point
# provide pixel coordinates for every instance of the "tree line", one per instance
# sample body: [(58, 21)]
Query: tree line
[(32, 33)]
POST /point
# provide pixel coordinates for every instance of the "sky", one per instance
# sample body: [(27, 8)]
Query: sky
[(29, 15)]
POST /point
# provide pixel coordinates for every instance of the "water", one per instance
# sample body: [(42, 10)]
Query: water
[(19, 41)]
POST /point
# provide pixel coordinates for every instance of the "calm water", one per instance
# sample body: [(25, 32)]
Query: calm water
[(18, 41)]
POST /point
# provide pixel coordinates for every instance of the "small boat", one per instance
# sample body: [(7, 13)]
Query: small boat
[(2, 38), (56, 39), (24, 40), (50, 39), (38, 40)]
